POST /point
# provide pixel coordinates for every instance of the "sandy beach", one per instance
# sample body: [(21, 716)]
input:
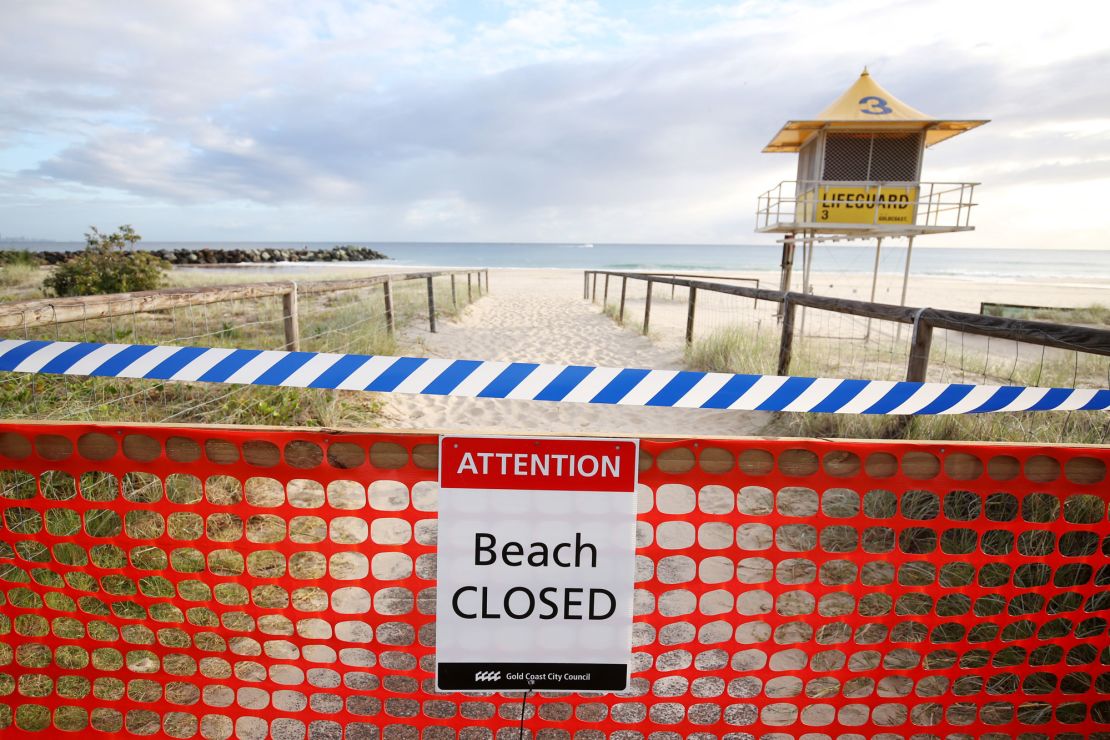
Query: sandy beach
[(540, 316)]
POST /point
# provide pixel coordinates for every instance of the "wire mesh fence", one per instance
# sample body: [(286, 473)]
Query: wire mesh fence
[(327, 318), (724, 322), (354, 320), (741, 331), (964, 357), (235, 323), (834, 344)]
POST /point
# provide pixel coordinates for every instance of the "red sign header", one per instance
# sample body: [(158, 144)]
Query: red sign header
[(539, 464)]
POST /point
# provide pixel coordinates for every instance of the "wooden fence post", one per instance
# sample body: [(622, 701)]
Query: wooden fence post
[(920, 343), (593, 295), (454, 301), (431, 307), (487, 280), (585, 284), (387, 293), (647, 307), (605, 293), (787, 341), (624, 288), (292, 326), (469, 288), (691, 302)]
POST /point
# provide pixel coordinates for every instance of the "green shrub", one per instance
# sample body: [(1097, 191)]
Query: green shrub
[(109, 264)]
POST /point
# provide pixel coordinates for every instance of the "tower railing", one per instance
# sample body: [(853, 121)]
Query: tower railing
[(866, 206)]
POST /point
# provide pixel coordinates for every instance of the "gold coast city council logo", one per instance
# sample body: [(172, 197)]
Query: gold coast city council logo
[(487, 676)]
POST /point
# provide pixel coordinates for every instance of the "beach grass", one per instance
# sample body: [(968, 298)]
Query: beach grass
[(735, 349), (18, 274), (1040, 427), (350, 321), (613, 311), (107, 399), (1049, 427), (743, 349), (1093, 314), (21, 281)]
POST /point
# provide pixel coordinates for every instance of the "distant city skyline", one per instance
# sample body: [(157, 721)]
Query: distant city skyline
[(523, 120)]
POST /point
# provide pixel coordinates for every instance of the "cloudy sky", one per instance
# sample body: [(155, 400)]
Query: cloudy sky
[(523, 120)]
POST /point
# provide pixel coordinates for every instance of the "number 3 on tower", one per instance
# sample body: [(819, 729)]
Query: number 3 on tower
[(874, 105)]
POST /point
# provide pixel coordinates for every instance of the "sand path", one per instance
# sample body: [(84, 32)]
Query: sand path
[(542, 318)]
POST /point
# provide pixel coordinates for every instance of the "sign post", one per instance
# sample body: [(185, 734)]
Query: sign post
[(536, 563)]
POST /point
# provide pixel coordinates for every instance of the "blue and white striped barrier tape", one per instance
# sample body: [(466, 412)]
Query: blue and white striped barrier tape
[(533, 381)]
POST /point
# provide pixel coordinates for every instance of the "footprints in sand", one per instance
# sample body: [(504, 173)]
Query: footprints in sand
[(539, 316)]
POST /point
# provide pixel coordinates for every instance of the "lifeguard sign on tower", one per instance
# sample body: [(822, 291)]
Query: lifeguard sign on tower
[(859, 177)]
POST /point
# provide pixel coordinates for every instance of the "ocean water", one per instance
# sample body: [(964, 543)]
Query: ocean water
[(968, 263)]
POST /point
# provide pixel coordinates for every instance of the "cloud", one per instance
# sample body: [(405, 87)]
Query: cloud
[(555, 120)]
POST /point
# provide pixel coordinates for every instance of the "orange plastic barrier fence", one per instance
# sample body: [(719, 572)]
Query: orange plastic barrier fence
[(206, 582)]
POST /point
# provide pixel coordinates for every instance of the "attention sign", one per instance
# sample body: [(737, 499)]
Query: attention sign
[(536, 563)]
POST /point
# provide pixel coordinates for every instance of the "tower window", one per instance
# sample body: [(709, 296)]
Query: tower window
[(886, 157)]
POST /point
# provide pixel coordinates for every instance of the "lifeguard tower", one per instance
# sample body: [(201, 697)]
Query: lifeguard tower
[(859, 177)]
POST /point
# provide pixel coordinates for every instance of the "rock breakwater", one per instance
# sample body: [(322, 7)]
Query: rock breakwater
[(205, 256)]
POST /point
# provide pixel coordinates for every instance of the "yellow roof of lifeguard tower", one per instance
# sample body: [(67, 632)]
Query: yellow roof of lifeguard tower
[(866, 106)]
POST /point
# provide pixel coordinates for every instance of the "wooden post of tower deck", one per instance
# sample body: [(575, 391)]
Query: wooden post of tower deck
[(787, 269), (874, 283), (807, 266), (905, 280)]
